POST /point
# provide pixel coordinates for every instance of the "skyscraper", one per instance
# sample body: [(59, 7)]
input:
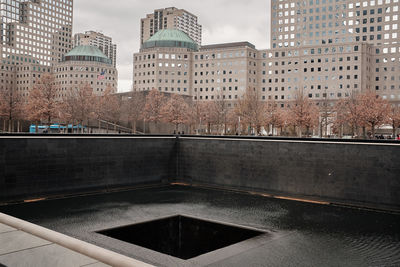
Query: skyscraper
[(321, 22), (170, 18), (38, 31), (330, 49), (99, 40), (34, 35)]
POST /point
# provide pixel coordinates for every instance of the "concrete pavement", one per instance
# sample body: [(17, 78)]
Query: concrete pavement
[(20, 249)]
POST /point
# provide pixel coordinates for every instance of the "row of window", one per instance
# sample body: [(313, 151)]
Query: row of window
[(161, 56), (171, 73)]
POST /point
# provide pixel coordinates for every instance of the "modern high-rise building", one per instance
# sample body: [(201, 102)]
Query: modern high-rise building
[(34, 35), (36, 38), (170, 18), (99, 40), (35, 31), (331, 49)]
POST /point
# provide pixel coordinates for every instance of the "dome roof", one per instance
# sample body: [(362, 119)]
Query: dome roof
[(170, 38), (86, 53)]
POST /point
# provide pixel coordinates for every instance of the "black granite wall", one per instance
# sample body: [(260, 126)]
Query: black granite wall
[(35, 167), (348, 173), (344, 172)]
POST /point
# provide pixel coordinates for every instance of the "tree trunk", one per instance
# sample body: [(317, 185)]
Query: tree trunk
[(373, 130), (225, 126), (394, 129), (365, 132)]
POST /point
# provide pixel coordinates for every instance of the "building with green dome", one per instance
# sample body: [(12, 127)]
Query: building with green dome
[(170, 61), (172, 38), (85, 65), (86, 53)]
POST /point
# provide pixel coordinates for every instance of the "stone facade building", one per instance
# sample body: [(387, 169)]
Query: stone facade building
[(99, 40), (36, 30), (224, 71), (331, 49), (34, 35), (85, 65), (36, 38), (171, 61), (165, 63), (170, 18), (326, 49)]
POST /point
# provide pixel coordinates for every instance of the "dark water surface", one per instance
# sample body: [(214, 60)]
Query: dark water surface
[(298, 234)]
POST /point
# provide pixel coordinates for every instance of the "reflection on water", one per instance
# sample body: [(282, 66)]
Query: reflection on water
[(307, 234)]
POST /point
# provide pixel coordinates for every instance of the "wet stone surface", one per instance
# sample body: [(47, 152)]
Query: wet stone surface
[(297, 234)]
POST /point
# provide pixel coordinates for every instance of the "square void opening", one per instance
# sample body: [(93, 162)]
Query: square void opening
[(180, 236)]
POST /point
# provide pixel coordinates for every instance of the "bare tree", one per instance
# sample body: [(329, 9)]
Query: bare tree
[(133, 109), (79, 105), (107, 107), (205, 112), (348, 112), (326, 116), (274, 115), (69, 109), (42, 101), (286, 120), (154, 102), (11, 106), (373, 109), (341, 119), (112, 107), (303, 113), (362, 110), (198, 114), (219, 112), (175, 111), (252, 110), (394, 118)]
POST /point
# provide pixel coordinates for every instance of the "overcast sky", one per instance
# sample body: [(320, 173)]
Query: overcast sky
[(222, 21)]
